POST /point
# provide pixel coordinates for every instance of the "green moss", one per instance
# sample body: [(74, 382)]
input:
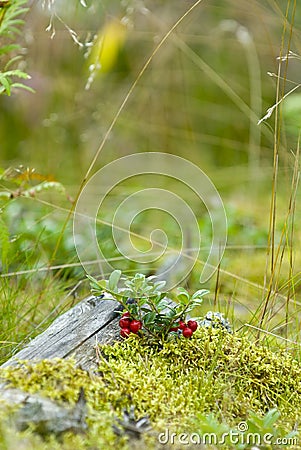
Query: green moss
[(172, 382)]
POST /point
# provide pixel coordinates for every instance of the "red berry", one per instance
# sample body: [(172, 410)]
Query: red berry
[(135, 326), (187, 332), (192, 324), (126, 314), (124, 323), (124, 332), (174, 329), (182, 325)]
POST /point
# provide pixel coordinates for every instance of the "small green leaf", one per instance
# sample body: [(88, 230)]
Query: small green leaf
[(162, 305), (159, 285), (6, 83), (8, 48), (141, 301), (171, 313), (182, 290), (113, 280), (16, 73), (102, 284), (148, 289), (23, 86), (200, 293), (271, 417), (183, 298), (197, 302), (151, 277), (149, 317)]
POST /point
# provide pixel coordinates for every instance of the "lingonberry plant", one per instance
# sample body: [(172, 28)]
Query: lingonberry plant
[(148, 310)]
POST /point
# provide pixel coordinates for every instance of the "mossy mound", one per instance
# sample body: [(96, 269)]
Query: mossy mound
[(173, 383)]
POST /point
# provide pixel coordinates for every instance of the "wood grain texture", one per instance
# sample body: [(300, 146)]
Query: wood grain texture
[(73, 330)]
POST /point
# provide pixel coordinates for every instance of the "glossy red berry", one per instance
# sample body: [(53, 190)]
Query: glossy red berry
[(126, 314), (192, 324), (182, 325), (124, 332), (174, 329), (187, 332), (124, 322), (135, 326)]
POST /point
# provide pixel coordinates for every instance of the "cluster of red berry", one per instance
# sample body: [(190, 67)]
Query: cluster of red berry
[(129, 325), (187, 328)]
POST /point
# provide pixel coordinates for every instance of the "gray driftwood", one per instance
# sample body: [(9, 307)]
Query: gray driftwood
[(75, 333)]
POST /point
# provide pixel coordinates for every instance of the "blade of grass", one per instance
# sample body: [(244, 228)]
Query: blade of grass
[(280, 89)]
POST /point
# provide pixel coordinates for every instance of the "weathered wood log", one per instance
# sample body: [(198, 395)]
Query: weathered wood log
[(75, 333)]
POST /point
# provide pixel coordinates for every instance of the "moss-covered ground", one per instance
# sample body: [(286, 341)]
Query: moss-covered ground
[(212, 381)]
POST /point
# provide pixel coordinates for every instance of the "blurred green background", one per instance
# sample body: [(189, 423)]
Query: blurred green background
[(200, 97)]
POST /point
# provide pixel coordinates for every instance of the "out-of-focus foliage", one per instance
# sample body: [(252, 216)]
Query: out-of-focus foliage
[(28, 229), (292, 114), (106, 49), (179, 105), (10, 24)]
